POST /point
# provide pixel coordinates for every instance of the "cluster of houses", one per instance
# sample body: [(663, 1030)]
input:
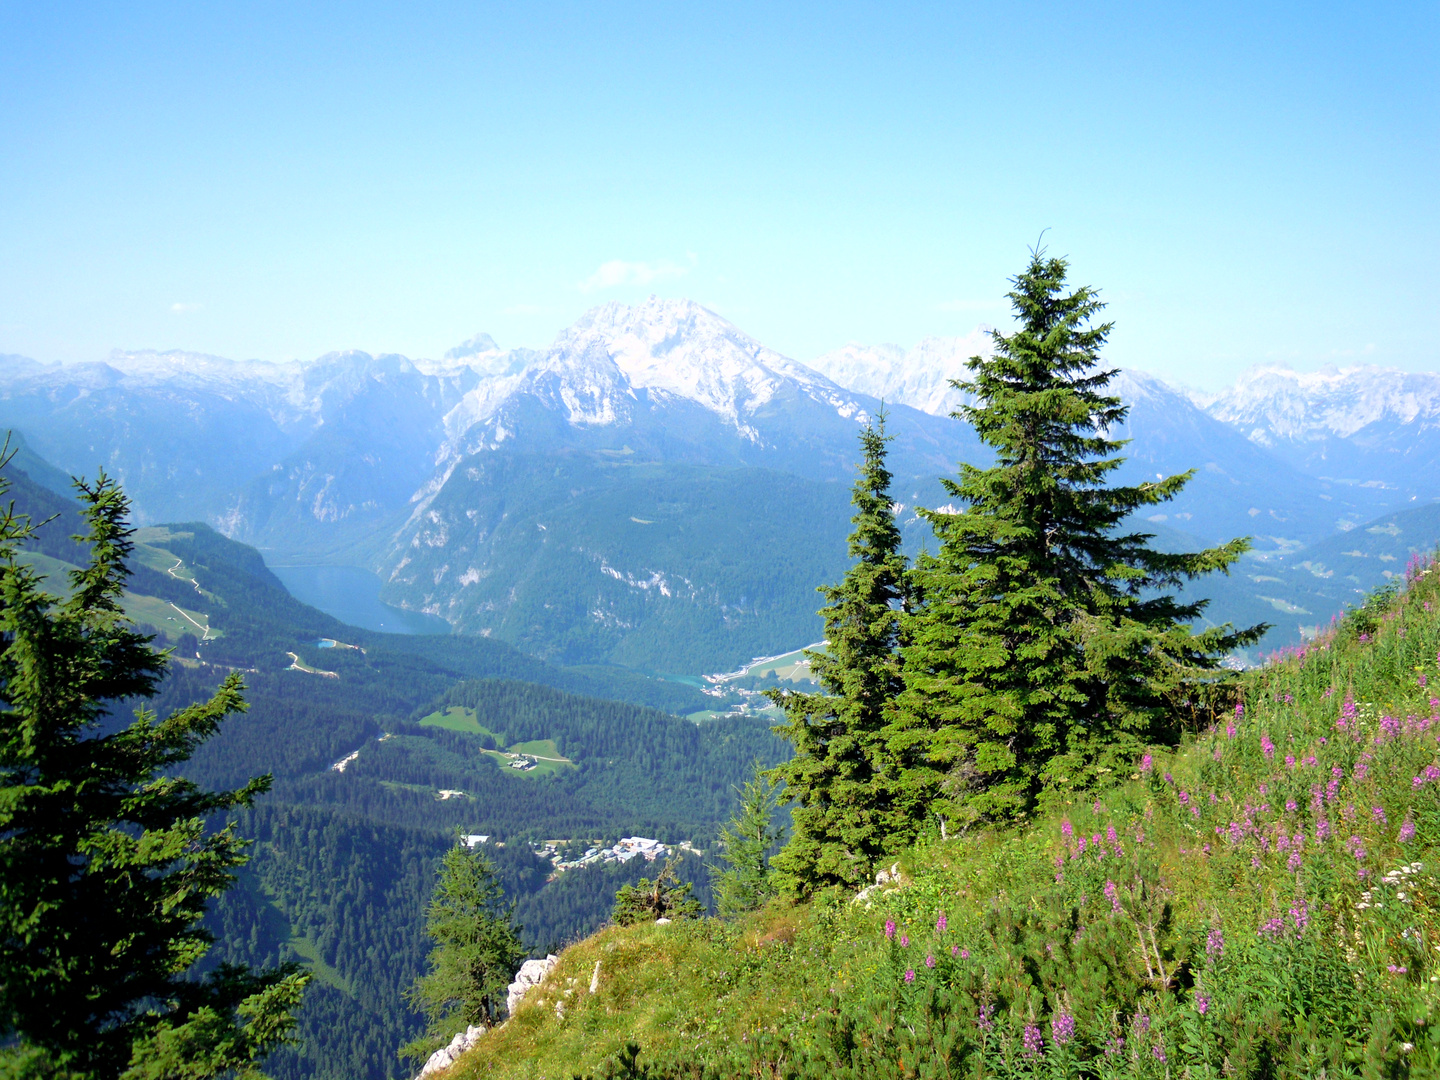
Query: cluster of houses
[(631, 847)]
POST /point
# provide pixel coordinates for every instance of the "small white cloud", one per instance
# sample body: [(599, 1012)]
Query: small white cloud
[(180, 306), (968, 305), (618, 272)]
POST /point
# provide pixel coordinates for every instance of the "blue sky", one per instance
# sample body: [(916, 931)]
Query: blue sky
[(1246, 183)]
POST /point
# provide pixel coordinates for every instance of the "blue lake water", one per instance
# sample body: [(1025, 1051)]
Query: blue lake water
[(352, 595)]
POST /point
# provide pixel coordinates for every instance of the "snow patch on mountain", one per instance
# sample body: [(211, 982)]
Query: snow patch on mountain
[(1276, 403), (919, 377), (618, 357)]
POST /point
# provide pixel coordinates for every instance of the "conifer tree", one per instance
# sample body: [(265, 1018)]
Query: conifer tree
[(744, 882), (106, 865), (1047, 645), (477, 949), (839, 779)]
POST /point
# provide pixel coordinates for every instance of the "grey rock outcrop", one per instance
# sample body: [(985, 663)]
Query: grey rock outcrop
[(885, 878), (531, 974), (447, 1055)]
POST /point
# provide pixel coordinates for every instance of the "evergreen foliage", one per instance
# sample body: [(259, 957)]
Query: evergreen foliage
[(667, 897), (1046, 648), (839, 778), (477, 949), (106, 866), (744, 883)]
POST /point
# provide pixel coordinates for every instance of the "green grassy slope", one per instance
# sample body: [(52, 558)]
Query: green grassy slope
[(1263, 901)]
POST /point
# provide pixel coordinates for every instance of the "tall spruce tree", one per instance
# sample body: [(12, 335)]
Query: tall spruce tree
[(106, 864), (1047, 645), (839, 778)]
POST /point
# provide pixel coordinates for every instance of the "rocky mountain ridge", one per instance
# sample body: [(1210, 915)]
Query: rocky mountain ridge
[(479, 482)]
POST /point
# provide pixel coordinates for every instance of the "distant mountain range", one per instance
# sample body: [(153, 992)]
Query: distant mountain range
[(657, 488)]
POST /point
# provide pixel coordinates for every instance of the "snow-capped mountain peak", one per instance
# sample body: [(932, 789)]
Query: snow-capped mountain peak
[(678, 348), (662, 352), (1275, 403)]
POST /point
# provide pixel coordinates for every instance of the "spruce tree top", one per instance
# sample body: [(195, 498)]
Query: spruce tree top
[(1047, 645)]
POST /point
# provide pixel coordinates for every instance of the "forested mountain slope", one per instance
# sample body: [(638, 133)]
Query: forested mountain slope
[(345, 858)]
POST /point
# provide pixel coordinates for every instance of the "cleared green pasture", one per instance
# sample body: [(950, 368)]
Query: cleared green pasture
[(147, 612), (463, 720), (792, 667), (541, 749), (157, 614), (55, 572), (457, 718)]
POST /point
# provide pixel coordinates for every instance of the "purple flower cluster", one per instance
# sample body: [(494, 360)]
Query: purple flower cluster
[(1034, 1044), (984, 1020), (1112, 893), (1300, 916), (1215, 943), (1062, 1026)]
